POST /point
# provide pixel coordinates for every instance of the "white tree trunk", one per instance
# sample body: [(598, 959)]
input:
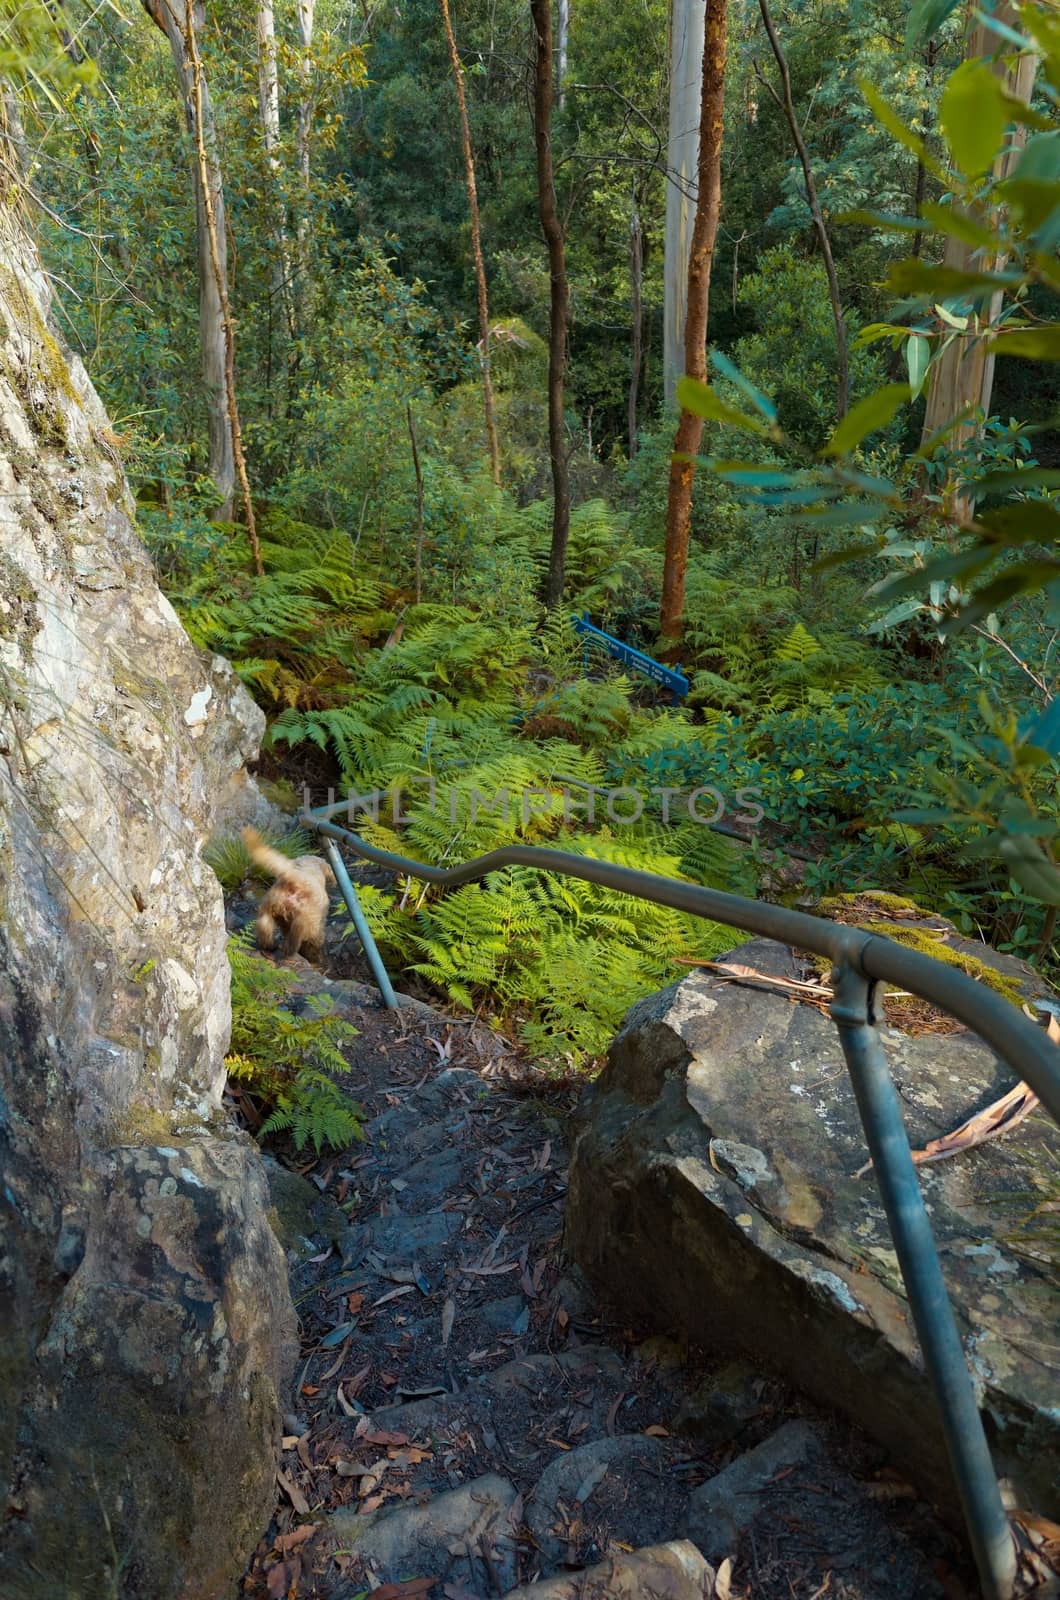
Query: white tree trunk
[(686, 87), (269, 108), (306, 13), (171, 16), (562, 36)]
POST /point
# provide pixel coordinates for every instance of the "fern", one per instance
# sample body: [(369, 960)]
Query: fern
[(289, 1063)]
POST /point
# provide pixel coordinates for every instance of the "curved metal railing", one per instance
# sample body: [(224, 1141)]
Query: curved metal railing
[(860, 961)]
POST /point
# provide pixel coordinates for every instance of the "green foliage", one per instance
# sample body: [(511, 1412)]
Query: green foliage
[(230, 859), (289, 1062)]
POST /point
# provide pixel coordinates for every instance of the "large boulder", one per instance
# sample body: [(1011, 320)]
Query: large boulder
[(714, 1189), (145, 1323)]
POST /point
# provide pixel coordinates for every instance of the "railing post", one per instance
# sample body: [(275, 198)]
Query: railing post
[(360, 922), (854, 1014)]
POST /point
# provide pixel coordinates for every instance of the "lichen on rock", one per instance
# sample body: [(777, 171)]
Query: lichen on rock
[(145, 1321), (715, 1190)]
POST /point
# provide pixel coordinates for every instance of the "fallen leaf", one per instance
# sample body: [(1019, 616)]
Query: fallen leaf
[(990, 1123), (297, 1536), (354, 1302), (336, 1336), (288, 1441), (403, 1591), (723, 1580), (303, 1451), (310, 1388), (281, 1579), (392, 1294), (448, 1315), (293, 1493), (336, 1364)]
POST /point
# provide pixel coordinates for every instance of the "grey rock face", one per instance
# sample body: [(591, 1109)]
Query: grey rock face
[(713, 1191), (466, 1535), (145, 1322), (674, 1571)]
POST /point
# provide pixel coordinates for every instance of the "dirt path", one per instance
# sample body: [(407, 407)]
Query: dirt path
[(468, 1420)]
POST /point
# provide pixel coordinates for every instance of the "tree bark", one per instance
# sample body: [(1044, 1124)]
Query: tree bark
[(269, 110), (180, 22), (787, 105), (303, 147), (687, 20), (174, 19), (963, 375), (704, 234), (559, 296), (476, 248), (562, 36), (636, 280)]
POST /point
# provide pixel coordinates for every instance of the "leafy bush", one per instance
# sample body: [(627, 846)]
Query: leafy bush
[(287, 1062)]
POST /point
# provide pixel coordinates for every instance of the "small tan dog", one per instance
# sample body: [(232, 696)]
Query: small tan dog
[(297, 903)]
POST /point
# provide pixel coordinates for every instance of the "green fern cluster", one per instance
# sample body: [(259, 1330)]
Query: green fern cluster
[(289, 1062), (295, 634), (751, 652), (563, 958)]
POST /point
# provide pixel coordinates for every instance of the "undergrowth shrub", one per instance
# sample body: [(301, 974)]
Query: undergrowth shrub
[(288, 1062)]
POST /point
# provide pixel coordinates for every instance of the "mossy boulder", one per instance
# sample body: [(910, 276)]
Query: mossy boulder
[(146, 1329), (718, 1190)]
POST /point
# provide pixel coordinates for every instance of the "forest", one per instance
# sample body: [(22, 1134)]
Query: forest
[(425, 328)]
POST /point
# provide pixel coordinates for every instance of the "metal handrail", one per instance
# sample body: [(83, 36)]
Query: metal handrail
[(861, 961)]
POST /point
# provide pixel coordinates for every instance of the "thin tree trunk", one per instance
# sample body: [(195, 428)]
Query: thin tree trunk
[(420, 529), (963, 376), (476, 248), (682, 161), (704, 234), (174, 18), (559, 296), (636, 280), (787, 105), (303, 147), (562, 36), (269, 109)]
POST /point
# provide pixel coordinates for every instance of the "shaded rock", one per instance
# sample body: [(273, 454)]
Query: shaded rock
[(400, 1239), (626, 1470), (674, 1571), (145, 1323), (722, 1406), (465, 1535), (299, 1211), (721, 1510), (713, 1190), (789, 1506)]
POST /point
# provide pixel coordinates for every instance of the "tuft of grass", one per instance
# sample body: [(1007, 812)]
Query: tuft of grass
[(230, 860)]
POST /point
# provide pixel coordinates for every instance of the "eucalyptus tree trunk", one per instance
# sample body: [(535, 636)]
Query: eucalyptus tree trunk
[(786, 103), (562, 37), (687, 19), (701, 256), (175, 20), (269, 111), (476, 247), (303, 144), (963, 376), (636, 351), (559, 296), (181, 23)]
